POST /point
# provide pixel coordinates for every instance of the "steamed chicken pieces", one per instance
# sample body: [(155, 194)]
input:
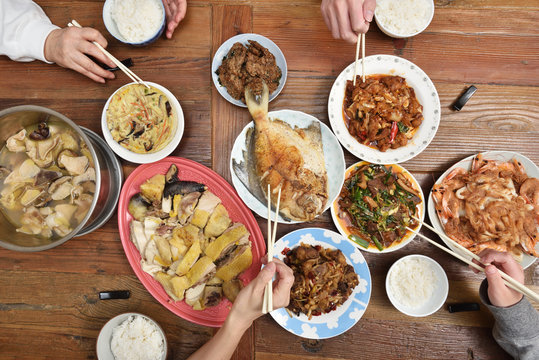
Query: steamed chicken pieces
[(187, 241), (290, 159)]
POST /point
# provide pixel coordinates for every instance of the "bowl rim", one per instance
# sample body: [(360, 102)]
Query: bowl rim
[(97, 167), (150, 157), (243, 38), (422, 210), (404, 36), (111, 24), (117, 320), (442, 279)]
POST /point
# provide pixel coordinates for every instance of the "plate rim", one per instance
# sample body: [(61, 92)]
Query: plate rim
[(217, 60), (330, 245), (365, 152), (400, 245), (431, 210), (150, 284), (237, 183), (148, 158)]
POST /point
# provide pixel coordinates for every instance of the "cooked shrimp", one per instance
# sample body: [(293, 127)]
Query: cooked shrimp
[(494, 205)]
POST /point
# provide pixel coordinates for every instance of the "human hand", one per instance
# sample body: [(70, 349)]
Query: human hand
[(248, 304), (67, 47), (498, 293), (175, 12), (348, 18)]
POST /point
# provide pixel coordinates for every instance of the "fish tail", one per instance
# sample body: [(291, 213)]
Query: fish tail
[(257, 108)]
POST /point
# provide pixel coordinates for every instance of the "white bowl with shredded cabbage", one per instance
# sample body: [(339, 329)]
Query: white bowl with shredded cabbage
[(403, 18), (131, 336), (417, 285)]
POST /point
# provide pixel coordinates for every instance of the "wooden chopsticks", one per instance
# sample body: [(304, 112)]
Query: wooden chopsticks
[(122, 67), (508, 280), (267, 305), (360, 40)]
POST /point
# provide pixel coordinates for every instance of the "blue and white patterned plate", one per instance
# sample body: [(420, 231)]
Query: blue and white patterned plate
[(333, 156), (345, 316), (426, 95)]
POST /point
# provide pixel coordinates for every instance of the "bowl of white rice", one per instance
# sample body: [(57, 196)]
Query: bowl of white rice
[(131, 336), (417, 285), (403, 18), (134, 22)]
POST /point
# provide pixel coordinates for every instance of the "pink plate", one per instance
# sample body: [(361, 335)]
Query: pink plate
[(238, 212)]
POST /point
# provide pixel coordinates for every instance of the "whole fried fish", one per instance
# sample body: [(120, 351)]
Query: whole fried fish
[(291, 159)]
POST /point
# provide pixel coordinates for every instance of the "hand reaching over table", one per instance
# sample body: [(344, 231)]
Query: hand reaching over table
[(175, 12), (498, 293), (348, 18), (68, 48), (246, 309)]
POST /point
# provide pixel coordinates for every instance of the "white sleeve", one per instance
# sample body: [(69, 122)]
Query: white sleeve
[(24, 27)]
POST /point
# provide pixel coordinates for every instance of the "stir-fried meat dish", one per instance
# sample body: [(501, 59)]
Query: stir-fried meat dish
[(376, 205), (494, 205), (322, 279), (382, 112), (248, 67)]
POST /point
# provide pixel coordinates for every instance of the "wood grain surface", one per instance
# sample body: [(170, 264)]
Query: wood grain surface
[(49, 307)]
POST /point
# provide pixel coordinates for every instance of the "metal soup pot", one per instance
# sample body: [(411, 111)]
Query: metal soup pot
[(14, 119)]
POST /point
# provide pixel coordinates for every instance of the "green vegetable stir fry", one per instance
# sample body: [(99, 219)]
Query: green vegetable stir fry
[(377, 205)]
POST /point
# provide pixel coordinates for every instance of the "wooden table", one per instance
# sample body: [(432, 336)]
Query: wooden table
[(49, 307)]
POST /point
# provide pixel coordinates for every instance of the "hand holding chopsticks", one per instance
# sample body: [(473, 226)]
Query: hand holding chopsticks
[(267, 305), (122, 67), (508, 280)]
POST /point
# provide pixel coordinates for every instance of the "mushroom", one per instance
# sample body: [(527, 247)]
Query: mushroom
[(89, 175), (29, 196), (15, 143), (61, 188), (46, 176), (75, 165), (41, 151)]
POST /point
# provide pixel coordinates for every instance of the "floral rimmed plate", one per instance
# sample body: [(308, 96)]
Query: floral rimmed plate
[(426, 95), (345, 316)]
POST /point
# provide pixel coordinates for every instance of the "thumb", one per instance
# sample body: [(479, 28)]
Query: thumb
[(494, 278)]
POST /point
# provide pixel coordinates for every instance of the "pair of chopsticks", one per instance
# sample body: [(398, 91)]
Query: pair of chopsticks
[(508, 280), (267, 305), (122, 67), (360, 39)]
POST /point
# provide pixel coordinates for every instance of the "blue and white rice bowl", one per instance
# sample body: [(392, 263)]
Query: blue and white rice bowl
[(113, 27)]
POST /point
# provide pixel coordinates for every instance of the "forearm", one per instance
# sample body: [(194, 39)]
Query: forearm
[(224, 342), (24, 27), (517, 327)]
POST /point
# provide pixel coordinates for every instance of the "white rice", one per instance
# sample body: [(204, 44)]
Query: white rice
[(137, 338), (137, 20), (412, 282), (403, 17)]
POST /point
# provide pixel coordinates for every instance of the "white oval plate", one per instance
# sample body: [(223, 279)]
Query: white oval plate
[(244, 39), (345, 316), (150, 157), (531, 170), (439, 295), (425, 92), (407, 238), (333, 156)]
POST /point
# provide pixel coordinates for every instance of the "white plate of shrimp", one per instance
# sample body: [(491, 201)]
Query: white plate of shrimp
[(490, 200)]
